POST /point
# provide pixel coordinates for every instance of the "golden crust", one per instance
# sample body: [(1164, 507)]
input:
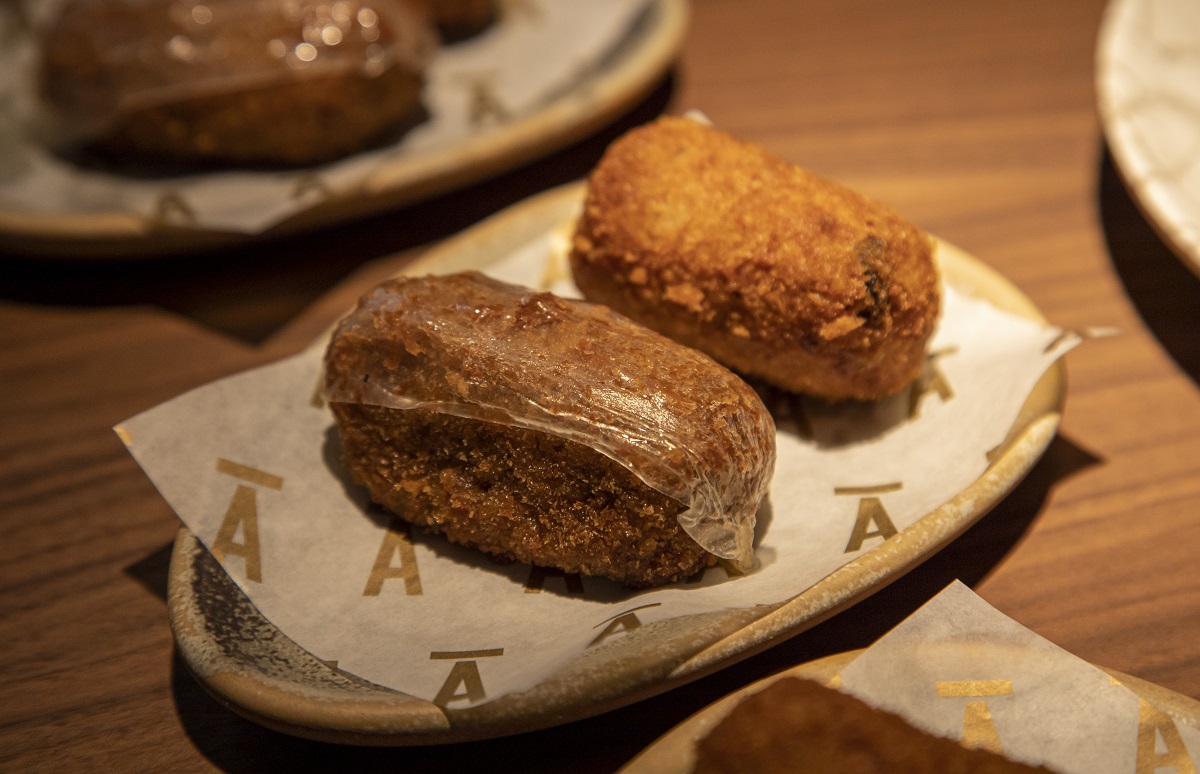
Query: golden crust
[(770, 269), (517, 494)]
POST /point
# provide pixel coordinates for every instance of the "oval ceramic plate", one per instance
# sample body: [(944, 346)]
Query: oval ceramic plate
[(247, 663), (1148, 88), (613, 85), (675, 751)]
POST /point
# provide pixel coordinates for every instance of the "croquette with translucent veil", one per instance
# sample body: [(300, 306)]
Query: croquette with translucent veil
[(548, 430)]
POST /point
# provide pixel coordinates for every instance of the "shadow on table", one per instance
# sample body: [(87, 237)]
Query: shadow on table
[(606, 742), (1163, 289), (152, 570), (224, 289)]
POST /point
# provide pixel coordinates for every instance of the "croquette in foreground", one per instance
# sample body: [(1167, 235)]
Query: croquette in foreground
[(547, 430), (799, 726)]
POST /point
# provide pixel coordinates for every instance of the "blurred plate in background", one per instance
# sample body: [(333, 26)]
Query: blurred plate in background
[(251, 204), (1148, 88)]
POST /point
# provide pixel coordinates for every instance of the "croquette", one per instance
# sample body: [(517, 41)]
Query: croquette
[(799, 726), (546, 430), (773, 271), (232, 83)]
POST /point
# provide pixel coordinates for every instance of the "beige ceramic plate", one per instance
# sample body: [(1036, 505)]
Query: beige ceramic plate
[(248, 664), (623, 77), (1148, 90), (675, 751)]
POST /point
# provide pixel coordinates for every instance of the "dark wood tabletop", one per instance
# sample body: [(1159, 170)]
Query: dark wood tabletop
[(978, 121)]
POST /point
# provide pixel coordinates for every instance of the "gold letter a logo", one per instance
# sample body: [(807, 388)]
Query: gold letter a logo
[(1154, 726), (242, 514), (397, 540), (870, 511)]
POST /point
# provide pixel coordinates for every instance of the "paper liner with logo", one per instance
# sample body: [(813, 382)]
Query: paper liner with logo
[(470, 346)]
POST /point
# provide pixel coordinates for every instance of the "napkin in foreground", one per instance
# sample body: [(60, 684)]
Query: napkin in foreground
[(959, 668)]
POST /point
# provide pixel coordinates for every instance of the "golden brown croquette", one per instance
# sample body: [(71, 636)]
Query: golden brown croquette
[(772, 270)]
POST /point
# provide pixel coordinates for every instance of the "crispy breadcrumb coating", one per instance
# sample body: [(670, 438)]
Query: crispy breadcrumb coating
[(768, 268), (517, 494), (547, 430)]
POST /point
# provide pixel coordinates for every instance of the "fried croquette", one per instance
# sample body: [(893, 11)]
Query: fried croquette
[(546, 430), (801, 727), (232, 83), (768, 268)]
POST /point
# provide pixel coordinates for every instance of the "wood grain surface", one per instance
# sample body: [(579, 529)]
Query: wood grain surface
[(976, 120)]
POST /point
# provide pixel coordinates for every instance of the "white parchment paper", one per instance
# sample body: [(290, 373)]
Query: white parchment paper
[(959, 668), (317, 543), (538, 50)]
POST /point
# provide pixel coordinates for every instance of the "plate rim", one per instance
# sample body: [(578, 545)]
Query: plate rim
[(735, 638), (599, 98)]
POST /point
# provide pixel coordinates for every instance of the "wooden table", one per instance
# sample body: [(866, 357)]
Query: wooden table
[(977, 120)]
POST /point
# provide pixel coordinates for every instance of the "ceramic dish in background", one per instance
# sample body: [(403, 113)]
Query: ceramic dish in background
[(615, 82), (243, 660), (1148, 90), (675, 751)]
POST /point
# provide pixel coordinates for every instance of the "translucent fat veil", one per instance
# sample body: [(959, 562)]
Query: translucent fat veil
[(473, 347)]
